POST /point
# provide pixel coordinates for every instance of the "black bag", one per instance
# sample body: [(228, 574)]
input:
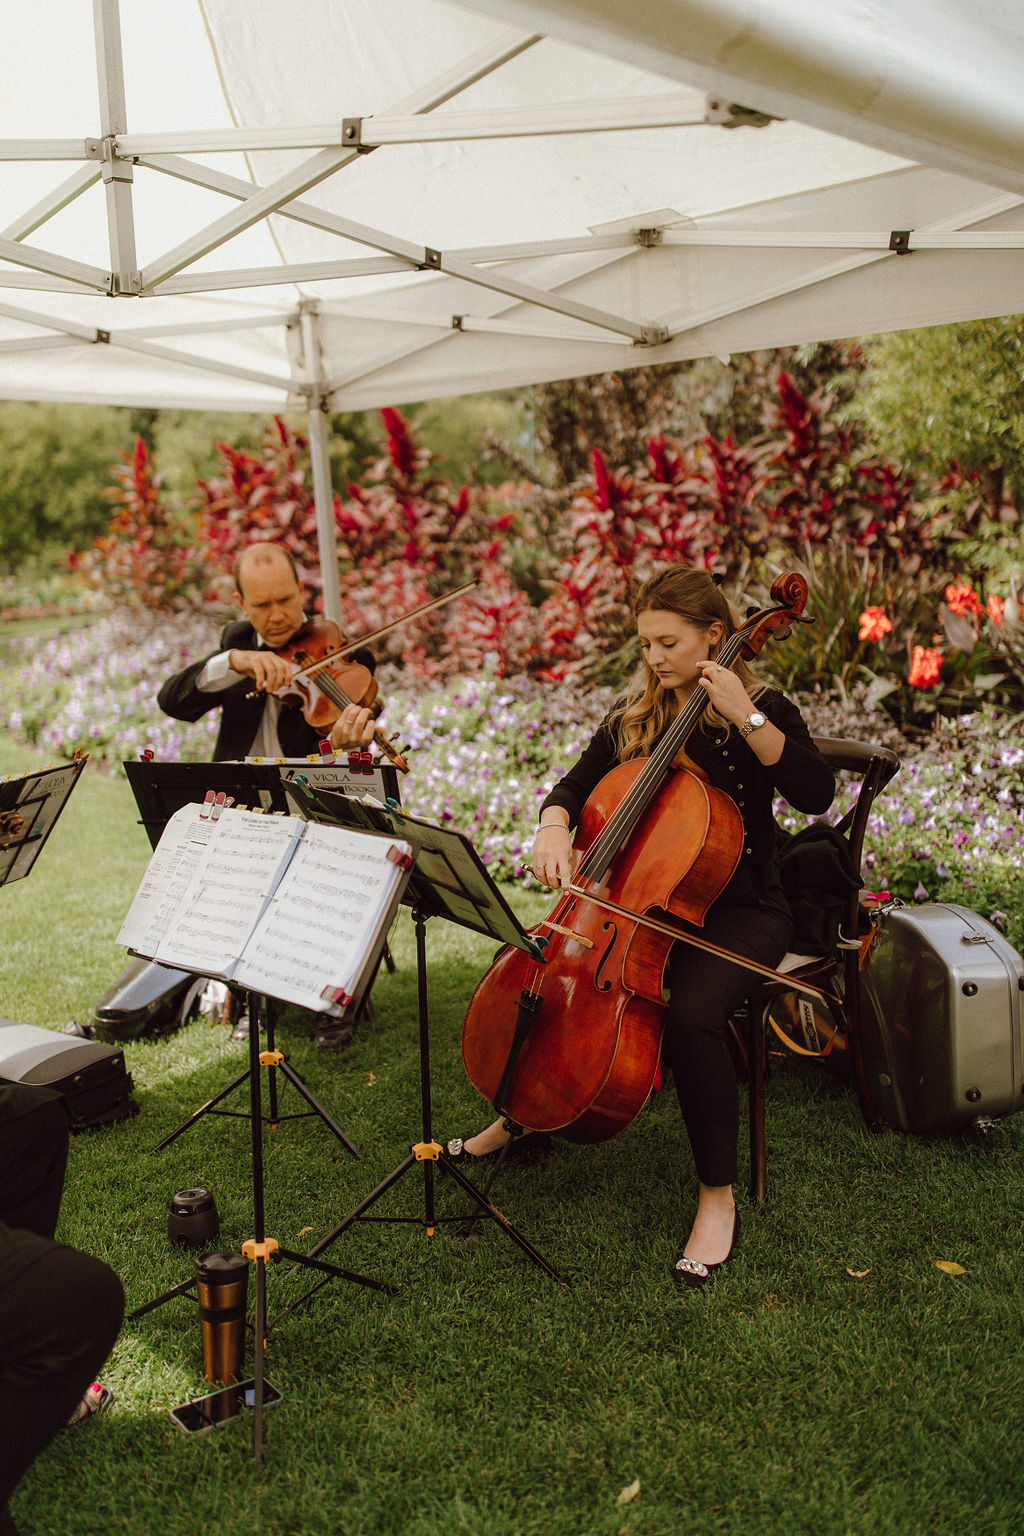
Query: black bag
[(817, 873), (90, 1077)]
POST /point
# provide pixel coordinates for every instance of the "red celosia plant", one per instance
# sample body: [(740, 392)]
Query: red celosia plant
[(262, 497), (147, 554)]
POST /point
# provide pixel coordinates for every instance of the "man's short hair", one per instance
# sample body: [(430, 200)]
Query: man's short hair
[(262, 554)]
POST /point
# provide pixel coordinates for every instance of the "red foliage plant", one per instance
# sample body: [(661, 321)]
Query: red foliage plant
[(404, 536), (262, 497), (147, 554)]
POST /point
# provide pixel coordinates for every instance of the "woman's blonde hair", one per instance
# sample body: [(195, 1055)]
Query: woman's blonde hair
[(645, 711)]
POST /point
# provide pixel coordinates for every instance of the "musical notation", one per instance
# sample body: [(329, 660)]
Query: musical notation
[(275, 904)]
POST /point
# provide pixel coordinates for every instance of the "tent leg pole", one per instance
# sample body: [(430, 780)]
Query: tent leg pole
[(323, 493)]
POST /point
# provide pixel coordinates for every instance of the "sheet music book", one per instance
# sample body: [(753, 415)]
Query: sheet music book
[(29, 806), (288, 908)]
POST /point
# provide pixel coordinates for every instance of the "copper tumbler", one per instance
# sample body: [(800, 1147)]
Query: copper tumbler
[(223, 1289)]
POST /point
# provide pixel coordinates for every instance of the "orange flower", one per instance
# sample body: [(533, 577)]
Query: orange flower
[(963, 599), (996, 606), (874, 624), (925, 666)]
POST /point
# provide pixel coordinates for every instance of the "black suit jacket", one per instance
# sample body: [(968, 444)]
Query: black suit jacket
[(240, 715)]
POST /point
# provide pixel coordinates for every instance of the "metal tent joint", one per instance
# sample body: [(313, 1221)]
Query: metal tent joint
[(899, 241), (729, 114), (653, 336), (101, 337), (114, 166), (647, 237), (352, 135), (125, 285), (431, 260)]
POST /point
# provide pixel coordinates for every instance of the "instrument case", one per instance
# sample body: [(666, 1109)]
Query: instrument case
[(942, 1000), (90, 1077), (147, 1000)]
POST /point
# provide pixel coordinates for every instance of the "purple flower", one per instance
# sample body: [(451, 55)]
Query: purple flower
[(920, 894)]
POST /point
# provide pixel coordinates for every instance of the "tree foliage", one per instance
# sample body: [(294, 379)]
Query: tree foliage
[(951, 394), (54, 466)]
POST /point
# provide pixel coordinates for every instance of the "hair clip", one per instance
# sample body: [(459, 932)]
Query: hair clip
[(717, 578)]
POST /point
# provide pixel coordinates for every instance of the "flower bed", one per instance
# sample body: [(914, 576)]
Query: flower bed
[(485, 750)]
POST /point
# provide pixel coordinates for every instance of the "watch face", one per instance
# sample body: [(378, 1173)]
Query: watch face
[(756, 719)]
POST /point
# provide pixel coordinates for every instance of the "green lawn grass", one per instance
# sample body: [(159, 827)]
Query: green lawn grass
[(483, 1399)]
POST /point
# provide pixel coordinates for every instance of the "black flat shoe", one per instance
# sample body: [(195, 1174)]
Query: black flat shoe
[(695, 1275)]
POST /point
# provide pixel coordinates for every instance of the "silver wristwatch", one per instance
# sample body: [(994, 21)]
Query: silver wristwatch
[(753, 722)]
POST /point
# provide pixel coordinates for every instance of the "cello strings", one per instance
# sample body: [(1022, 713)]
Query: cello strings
[(634, 802)]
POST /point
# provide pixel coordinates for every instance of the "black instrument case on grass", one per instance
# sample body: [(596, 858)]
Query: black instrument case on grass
[(942, 1004), (91, 1077)]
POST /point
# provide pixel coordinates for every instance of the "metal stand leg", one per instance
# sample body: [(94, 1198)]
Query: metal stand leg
[(428, 1153)]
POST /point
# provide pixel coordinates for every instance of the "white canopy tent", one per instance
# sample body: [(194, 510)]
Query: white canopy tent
[(328, 205)]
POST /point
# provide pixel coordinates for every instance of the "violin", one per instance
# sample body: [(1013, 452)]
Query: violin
[(325, 681), (571, 1042)]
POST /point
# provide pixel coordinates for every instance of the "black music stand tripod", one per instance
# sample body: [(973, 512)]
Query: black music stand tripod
[(447, 880), (260, 1249), (275, 1061)]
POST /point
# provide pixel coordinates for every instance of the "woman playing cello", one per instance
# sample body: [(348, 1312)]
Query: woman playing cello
[(751, 743)]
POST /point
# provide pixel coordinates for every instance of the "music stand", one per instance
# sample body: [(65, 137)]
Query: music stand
[(447, 880), (161, 789), (30, 804), (260, 1249)]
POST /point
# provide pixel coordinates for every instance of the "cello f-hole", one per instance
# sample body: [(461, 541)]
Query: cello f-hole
[(602, 986)]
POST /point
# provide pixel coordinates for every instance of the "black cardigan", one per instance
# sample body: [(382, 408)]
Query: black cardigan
[(801, 776), (182, 700)]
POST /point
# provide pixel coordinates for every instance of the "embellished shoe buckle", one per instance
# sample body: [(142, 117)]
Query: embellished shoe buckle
[(691, 1267)]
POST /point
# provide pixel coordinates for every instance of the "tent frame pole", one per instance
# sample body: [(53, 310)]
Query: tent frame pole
[(323, 492)]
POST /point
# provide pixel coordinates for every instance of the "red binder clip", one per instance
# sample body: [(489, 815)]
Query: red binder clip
[(366, 759), (218, 804), (326, 751), (145, 756), (400, 856), (336, 995), (207, 805)]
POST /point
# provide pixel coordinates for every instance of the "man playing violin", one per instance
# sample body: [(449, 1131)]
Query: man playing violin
[(242, 677), (751, 743)]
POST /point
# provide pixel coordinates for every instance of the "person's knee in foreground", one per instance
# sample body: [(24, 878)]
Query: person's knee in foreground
[(60, 1310)]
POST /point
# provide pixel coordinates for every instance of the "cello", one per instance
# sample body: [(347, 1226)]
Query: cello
[(571, 1043)]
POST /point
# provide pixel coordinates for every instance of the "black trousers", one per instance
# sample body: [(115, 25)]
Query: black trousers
[(704, 991), (60, 1311)]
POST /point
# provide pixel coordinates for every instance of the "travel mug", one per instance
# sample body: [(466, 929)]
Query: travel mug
[(223, 1288)]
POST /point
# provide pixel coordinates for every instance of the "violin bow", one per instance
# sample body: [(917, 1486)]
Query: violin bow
[(792, 982), (311, 669)]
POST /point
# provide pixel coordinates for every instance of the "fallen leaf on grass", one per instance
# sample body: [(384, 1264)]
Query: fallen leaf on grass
[(304, 1230), (629, 1494), (949, 1268), (857, 1274), (371, 1077)]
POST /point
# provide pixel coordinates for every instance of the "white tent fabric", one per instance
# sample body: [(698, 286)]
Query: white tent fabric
[(306, 204), (508, 207)]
